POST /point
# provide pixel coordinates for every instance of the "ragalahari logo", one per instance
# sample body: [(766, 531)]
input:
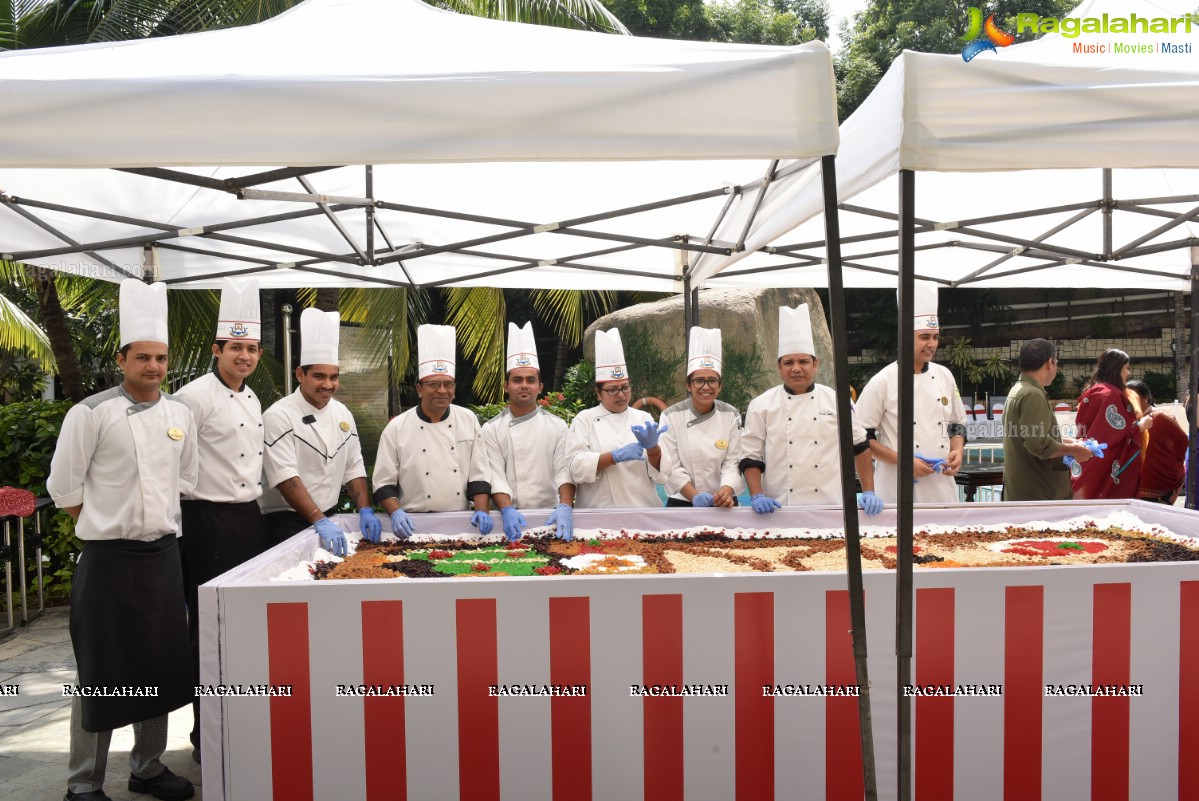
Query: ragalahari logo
[(981, 36)]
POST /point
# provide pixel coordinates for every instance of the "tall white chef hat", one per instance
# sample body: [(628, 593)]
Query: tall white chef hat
[(522, 348), (704, 350), (319, 332), (926, 306), (240, 317), (435, 349), (609, 357), (143, 312), (795, 331)]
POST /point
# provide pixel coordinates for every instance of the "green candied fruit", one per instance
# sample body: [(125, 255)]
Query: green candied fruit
[(497, 560), (1071, 546), (594, 542)]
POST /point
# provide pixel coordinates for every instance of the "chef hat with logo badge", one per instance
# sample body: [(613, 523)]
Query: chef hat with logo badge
[(143, 312), (319, 332), (240, 317), (926, 306), (703, 350), (795, 331), (609, 357), (435, 349), (522, 348)]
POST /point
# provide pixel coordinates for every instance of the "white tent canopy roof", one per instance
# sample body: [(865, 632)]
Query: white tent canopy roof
[(477, 130), (1028, 127)]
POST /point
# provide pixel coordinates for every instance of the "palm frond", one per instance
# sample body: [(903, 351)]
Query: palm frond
[(479, 313), (589, 15), (567, 310), (18, 332), (394, 314)]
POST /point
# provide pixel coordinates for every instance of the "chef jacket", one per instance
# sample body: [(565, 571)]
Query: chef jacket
[(704, 448), (432, 467), (526, 457), (127, 463), (793, 439), (597, 431), (937, 406), (229, 437), (325, 453)]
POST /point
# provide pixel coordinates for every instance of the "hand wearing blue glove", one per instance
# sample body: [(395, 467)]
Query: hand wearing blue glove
[(870, 503), (648, 433), (936, 463), (333, 539), (514, 523), (629, 453), (702, 499), (401, 524), (369, 525), (1093, 445), (564, 517), (763, 504), (482, 521)]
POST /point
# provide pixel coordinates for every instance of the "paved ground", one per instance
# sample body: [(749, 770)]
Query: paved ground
[(35, 723)]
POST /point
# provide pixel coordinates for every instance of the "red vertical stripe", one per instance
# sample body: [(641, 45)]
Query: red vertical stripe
[(1110, 656), (478, 710), (383, 716), (1023, 691), (570, 716), (1188, 691), (934, 714), (842, 733), (291, 717), (753, 622), (662, 663)]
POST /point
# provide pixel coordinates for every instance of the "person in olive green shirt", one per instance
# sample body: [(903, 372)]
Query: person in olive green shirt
[(1033, 448)]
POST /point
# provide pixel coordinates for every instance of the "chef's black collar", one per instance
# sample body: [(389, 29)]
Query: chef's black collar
[(789, 391), (217, 373), (420, 412)]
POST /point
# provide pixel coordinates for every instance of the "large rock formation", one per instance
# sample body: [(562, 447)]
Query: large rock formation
[(655, 340)]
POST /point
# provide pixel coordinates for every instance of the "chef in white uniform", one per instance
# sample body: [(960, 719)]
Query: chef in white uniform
[(431, 457), (790, 452), (940, 431), (703, 432), (526, 446), (312, 447), (614, 455), (123, 459), (222, 524)]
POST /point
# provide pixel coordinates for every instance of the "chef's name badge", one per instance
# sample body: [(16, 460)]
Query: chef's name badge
[(175, 433), (345, 426), (722, 444), (944, 401)]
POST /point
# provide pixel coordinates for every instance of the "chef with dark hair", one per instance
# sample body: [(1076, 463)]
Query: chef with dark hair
[(124, 457)]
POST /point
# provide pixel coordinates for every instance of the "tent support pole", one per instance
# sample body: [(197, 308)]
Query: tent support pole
[(1107, 212), (849, 499), (1193, 400), (695, 307), (369, 185), (688, 312), (45, 226), (903, 511)]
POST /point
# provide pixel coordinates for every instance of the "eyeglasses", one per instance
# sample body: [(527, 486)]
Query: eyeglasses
[(437, 386), (614, 391), (704, 382)]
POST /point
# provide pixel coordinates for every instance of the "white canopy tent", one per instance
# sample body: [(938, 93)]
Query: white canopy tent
[(1038, 166), (503, 154)]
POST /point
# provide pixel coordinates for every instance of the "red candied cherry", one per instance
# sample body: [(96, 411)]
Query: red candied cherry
[(440, 554), (479, 567), (547, 570)]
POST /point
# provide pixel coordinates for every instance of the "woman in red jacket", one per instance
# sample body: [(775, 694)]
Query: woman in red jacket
[(1106, 414), (1164, 460)]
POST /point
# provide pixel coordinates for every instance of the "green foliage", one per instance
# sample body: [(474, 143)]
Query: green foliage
[(741, 372), (579, 385), (1103, 327), (555, 403), (663, 19), (651, 373), (21, 378), (1161, 385), (1057, 387), (28, 434), (775, 23)]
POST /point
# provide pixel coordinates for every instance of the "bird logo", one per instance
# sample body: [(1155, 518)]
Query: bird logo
[(982, 36)]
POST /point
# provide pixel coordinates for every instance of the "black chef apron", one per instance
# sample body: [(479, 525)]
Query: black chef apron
[(129, 630)]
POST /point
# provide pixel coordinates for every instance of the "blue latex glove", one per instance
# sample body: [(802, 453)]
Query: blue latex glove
[(369, 525), (870, 503), (936, 463), (514, 523), (764, 504), (333, 539), (648, 434), (629, 453), (702, 499), (564, 517), (1093, 445), (401, 524), (482, 521)]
